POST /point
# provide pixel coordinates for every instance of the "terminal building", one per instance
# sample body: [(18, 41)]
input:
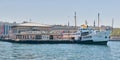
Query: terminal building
[(30, 30)]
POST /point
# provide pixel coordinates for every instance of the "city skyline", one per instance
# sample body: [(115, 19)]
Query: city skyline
[(60, 11)]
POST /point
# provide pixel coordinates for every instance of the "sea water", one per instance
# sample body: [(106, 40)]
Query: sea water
[(14, 51)]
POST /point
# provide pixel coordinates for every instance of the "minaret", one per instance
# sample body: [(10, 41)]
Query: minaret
[(68, 31), (86, 22), (94, 23), (68, 24), (75, 20), (30, 20), (98, 21), (112, 23)]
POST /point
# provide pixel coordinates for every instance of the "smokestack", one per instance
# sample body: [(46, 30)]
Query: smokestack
[(75, 20)]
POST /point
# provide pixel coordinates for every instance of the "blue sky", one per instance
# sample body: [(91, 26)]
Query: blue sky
[(61, 11)]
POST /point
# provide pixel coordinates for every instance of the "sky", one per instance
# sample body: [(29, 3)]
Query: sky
[(61, 11)]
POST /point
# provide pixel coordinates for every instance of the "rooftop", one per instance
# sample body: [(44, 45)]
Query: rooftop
[(32, 24)]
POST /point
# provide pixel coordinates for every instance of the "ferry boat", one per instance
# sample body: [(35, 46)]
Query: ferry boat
[(87, 35)]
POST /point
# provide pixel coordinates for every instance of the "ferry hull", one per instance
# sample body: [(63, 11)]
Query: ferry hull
[(55, 42), (92, 42)]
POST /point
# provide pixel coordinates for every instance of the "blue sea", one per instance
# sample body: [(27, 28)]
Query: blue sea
[(14, 51)]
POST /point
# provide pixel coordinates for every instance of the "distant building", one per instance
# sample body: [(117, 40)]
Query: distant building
[(5, 28), (63, 32)]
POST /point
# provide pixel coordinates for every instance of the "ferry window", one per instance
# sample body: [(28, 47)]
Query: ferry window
[(51, 37), (105, 36), (38, 36), (84, 33)]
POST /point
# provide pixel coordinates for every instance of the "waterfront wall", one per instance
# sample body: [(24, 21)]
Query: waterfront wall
[(115, 37)]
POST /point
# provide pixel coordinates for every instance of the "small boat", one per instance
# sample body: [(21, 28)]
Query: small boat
[(87, 35)]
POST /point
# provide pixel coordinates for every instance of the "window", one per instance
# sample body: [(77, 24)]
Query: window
[(38, 36), (84, 33)]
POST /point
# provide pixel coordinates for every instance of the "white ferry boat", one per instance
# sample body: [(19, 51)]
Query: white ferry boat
[(87, 35)]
